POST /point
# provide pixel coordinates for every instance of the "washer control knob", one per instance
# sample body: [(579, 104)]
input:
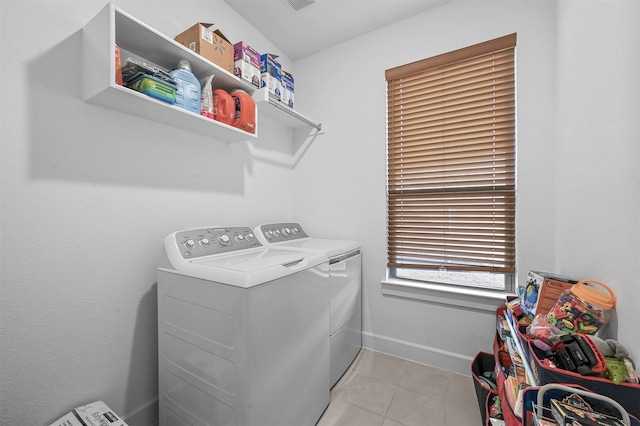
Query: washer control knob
[(189, 244), (276, 233), (223, 239), (268, 234), (205, 242), (249, 237), (294, 230), (239, 238), (286, 232)]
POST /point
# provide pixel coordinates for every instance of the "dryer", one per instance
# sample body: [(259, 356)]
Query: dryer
[(242, 331), (345, 278)]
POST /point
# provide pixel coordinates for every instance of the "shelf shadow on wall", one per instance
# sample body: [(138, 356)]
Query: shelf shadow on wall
[(78, 141), (281, 148), (141, 405)]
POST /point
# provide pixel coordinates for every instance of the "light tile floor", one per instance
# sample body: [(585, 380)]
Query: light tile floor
[(383, 390)]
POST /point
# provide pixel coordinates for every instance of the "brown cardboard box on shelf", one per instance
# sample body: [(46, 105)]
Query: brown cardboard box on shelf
[(211, 44)]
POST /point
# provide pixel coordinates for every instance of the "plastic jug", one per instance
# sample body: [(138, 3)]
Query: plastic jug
[(245, 114), (224, 107), (187, 87)]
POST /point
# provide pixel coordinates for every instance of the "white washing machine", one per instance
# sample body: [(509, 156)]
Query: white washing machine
[(242, 331), (345, 270)]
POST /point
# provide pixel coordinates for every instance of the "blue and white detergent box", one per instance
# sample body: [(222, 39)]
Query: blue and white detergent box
[(271, 74), (287, 88)]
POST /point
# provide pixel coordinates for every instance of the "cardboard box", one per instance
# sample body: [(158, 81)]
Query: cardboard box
[(246, 63), (287, 88), (212, 45), (94, 414), (542, 290), (271, 74)]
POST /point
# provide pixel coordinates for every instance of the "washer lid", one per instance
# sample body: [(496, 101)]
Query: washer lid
[(252, 267), (330, 248), (253, 261), (291, 234)]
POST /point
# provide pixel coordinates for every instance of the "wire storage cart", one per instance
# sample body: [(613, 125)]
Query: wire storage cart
[(508, 399), (538, 404)]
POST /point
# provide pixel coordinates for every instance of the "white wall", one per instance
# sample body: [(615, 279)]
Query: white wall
[(351, 159), (88, 195), (598, 152), (561, 87)]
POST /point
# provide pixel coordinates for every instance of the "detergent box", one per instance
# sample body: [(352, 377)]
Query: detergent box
[(542, 290), (271, 74), (94, 414), (246, 63), (287, 88)]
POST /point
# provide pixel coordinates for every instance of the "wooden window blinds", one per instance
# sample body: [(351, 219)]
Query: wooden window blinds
[(451, 160)]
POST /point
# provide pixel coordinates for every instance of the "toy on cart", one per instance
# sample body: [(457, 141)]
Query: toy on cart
[(555, 404), (578, 353)]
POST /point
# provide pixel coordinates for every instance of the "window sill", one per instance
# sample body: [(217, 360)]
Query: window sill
[(459, 297)]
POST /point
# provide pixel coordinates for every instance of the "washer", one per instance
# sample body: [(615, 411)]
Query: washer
[(345, 270), (242, 331)]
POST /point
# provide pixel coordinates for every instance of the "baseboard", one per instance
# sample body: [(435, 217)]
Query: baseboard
[(144, 415), (450, 361)]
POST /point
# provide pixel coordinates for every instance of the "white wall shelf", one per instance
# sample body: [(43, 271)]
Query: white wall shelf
[(273, 108), (111, 27)]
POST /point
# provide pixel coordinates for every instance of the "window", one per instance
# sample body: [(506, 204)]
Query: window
[(451, 167)]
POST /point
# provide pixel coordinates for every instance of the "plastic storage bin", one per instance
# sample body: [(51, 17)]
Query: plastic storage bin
[(583, 308)]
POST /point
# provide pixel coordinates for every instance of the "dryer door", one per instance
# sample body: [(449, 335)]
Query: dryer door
[(346, 288), (345, 337)]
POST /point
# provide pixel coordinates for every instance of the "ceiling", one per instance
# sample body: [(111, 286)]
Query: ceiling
[(319, 24)]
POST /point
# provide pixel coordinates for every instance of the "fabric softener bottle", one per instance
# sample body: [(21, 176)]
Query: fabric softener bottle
[(188, 87)]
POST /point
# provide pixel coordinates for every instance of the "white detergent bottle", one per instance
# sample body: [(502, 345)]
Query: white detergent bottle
[(188, 87)]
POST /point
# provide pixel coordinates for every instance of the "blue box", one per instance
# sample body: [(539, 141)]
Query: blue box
[(287, 88), (271, 74)]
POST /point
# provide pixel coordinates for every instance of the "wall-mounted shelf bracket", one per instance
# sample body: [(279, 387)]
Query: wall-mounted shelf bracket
[(270, 106)]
